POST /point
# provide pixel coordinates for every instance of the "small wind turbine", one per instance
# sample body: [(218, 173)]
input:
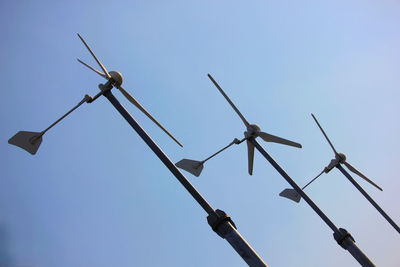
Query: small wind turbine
[(339, 159), (30, 141), (342, 236), (220, 222), (253, 131)]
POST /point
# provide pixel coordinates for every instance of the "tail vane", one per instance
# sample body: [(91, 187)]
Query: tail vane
[(192, 166), (29, 141)]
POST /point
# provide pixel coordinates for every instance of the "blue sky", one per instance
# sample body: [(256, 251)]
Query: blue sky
[(94, 195)]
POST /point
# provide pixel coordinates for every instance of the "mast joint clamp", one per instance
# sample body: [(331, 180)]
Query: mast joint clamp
[(342, 236), (216, 219)]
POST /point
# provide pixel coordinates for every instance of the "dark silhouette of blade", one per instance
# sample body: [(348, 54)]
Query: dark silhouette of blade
[(250, 156), (93, 69), (95, 58), (351, 168), (228, 99), (139, 106), (322, 130), (272, 138), (313, 180)]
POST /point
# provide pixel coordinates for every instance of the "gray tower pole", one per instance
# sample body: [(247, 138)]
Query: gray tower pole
[(219, 221), (369, 198), (342, 237)]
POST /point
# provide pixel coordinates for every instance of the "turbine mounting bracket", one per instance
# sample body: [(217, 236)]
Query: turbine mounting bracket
[(216, 219), (331, 165), (342, 236), (107, 86)]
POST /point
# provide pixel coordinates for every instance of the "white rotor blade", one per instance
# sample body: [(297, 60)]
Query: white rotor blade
[(93, 69), (351, 168), (95, 58), (139, 106), (229, 101), (322, 130), (272, 138), (250, 156)]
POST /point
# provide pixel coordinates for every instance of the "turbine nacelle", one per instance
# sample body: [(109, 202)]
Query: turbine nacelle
[(340, 158)]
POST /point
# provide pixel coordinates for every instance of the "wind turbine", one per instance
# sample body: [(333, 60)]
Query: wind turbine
[(30, 141), (342, 236), (340, 159), (220, 222), (252, 131)]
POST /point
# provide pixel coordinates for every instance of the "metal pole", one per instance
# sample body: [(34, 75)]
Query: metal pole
[(345, 173), (220, 222), (85, 99), (235, 141), (342, 237)]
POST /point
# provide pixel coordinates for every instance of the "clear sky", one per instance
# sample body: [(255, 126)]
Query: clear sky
[(95, 195)]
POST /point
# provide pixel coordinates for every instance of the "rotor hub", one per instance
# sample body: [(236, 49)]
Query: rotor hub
[(253, 129), (117, 78), (341, 157)]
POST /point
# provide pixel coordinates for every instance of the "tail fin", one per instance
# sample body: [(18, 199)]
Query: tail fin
[(291, 194), (193, 166), (29, 141)]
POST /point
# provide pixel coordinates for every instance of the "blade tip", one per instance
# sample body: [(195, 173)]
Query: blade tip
[(176, 141), (298, 145)]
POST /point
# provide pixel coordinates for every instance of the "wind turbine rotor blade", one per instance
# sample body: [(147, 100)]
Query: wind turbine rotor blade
[(93, 69), (250, 156), (95, 58), (322, 130), (272, 138), (229, 100), (141, 108), (192, 166), (351, 168), (29, 141), (291, 194)]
